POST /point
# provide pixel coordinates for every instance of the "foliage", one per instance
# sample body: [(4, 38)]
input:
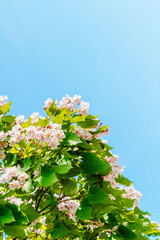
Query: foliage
[(60, 180)]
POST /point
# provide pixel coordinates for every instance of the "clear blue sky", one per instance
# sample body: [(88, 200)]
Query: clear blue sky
[(107, 51)]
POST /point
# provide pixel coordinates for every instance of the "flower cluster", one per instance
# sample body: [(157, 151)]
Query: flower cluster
[(83, 133), (70, 206), (3, 100), (16, 135), (116, 170), (62, 181), (14, 176), (69, 103), (132, 193), (14, 200), (52, 135)]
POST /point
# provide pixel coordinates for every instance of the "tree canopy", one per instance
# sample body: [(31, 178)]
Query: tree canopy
[(60, 180)]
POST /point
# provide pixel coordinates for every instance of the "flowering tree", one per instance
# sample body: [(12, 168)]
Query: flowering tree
[(59, 179)]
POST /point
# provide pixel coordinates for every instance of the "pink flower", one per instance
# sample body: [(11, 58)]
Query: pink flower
[(19, 119), (3, 100), (47, 103), (14, 184), (22, 177), (2, 155), (83, 110), (3, 136)]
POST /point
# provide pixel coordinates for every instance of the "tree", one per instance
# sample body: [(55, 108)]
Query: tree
[(60, 180)]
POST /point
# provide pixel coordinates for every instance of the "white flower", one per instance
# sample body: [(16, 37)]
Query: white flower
[(132, 193), (47, 103), (22, 177), (76, 99), (3, 100), (15, 200), (83, 133), (3, 178), (83, 110), (34, 117), (3, 136), (14, 184), (19, 119)]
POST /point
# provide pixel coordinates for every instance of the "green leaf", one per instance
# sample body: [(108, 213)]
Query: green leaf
[(18, 216), (88, 123), (8, 119), (6, 215), (59, 117), (88, 117), (84, 211), (92, 164), (128, 202), (27, 164), (15, 230), (97, 195), (30, 212), (69, 186), (27, 186), (122, 180), (10, 160), (60, 230), (126, 233), (71, 139), (138, 211), (112, 220), (27, 123), (5, 108), (63, 165), (48, 176), (1, 235), (51, 109), (42, 122), (76, 119)]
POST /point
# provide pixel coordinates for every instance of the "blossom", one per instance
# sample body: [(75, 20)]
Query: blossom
[(14, 177), (22, 177), (3, 178), (83, 133), (14, 184), (34, 117), (70, 206), (14, 200), (19, 119), (76, 99), (47, 103), (132, 193), (2, 155), (83, 110), (12, 172), (3, 136), (69, 103), (3, 100), (16, 135), (116, 170)]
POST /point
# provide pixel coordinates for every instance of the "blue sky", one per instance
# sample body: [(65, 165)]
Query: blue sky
[(107, 51)]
